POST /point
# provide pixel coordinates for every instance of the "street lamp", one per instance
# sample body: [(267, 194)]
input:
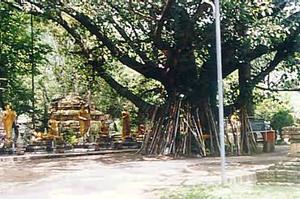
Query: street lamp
[(220, 88)]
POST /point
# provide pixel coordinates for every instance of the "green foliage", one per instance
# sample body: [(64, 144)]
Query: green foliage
[(231, 88), (281, 119), (108, 101), (268, 107), (277, 110), (95, 129), (288, 73), (15, 57), (69, 136)]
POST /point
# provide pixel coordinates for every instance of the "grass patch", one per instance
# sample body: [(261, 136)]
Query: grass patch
[(242, 191)]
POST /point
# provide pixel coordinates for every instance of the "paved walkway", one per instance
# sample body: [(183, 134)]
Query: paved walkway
[(121, 175)]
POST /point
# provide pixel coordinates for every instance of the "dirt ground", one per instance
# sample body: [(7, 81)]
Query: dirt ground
[(121, 175)]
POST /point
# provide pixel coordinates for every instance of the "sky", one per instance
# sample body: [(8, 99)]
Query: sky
[(295, 102)]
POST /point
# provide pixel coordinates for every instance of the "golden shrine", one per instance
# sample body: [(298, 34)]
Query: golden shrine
[(74, 113)]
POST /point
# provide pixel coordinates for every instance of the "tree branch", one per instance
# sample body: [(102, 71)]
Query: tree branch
[(97, 66), (280, 56), (123, 91), (158, 41), (72, 32), (287, 48), (145, 17), (134, 46), (278, 89), (163, 16), (148, 70), (202, 8)]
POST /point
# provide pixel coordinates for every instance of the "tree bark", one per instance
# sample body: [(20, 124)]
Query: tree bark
[(245, 104), (246, 89)]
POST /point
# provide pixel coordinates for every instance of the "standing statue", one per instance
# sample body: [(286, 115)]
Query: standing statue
[(8, 119), (1, 123), (104, 129), (53, 128), (125, 124), (236, 130), (2, 131), (141, 130), (84, 120)]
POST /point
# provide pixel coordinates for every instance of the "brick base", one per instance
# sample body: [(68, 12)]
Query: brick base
[(294, 149)]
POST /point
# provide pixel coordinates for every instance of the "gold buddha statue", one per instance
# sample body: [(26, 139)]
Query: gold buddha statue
[(84, 118), (8, 118), (104, 129), (53, 128), (141, 130), (125, 124)]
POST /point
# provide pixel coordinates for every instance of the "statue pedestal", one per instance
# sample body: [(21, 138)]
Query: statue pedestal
[(293, 133)]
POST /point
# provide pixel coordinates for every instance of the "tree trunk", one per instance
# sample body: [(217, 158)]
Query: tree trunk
[(245, 105), (246, 90), (182, 127)]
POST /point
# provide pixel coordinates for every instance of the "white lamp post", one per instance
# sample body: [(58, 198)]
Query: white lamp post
[(220, 88)]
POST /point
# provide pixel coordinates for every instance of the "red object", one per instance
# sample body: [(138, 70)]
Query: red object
[(269, 136)]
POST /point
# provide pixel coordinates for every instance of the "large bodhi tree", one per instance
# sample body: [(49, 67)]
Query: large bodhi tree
[(173, 42)]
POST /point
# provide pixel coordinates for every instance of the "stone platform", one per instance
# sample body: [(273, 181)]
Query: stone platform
[(293, 134), (286, 172), (36, 156)]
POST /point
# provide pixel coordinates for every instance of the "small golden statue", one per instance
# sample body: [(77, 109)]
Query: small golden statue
[(53, 128), (141, 130), (84, 120), (140, 133), (125, 124), (8, 118), (104, 128)]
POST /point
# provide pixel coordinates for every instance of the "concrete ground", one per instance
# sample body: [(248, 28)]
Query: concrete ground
[(121, 175)]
